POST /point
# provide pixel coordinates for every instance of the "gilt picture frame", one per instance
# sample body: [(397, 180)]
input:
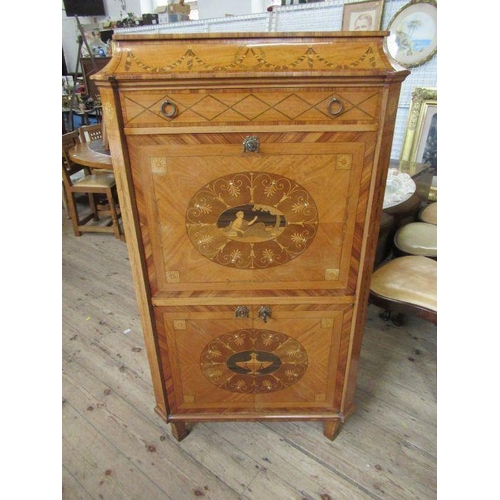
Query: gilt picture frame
[(420, 139), (362, 16), (412, 39)]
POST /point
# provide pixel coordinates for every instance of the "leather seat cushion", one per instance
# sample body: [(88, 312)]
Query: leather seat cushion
[(429, 214), (411, 279), (417, 238)]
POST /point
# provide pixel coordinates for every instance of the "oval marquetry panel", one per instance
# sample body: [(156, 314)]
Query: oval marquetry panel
[(252, 220), (253, 361)]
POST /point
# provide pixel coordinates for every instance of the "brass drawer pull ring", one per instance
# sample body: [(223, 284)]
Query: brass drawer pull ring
[(169, 109), (339, 107)]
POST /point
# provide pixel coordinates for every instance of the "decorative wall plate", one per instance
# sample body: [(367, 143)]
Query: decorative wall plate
[(253, 361), (413, 33), (252, 220)]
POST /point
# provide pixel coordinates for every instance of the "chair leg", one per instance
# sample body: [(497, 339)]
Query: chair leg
[(399, 319), (65, 202), (385, 315), (75, 221), (93, 206), (114, 215)]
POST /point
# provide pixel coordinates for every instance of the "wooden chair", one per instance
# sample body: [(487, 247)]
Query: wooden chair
[(91, 185), (90, 132), (98, 113), (406, 285), (71, 138)]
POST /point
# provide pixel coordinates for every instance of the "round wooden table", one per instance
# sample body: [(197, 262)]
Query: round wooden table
[(91, 154)]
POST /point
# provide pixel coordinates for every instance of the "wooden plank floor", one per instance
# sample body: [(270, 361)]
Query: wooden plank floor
[(116, 447)]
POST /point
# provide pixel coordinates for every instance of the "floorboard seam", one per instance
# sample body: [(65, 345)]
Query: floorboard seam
[(331, 469)]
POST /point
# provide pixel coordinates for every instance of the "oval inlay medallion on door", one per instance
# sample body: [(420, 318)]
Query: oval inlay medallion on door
[(252, 220), (253, 361)]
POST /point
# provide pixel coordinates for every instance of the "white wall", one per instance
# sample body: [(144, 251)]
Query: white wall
[(208, 9), (261, 5)]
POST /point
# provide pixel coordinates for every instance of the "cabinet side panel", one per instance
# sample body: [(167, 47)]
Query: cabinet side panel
[(136, 251), (371, 230)]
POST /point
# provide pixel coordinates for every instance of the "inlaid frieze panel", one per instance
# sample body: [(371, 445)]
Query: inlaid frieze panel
[(258, 57)]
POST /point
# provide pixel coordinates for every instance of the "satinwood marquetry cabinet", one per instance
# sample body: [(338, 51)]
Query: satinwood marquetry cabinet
[(251, 172)]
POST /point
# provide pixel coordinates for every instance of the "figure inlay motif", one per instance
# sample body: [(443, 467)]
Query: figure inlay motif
[(252, 220)]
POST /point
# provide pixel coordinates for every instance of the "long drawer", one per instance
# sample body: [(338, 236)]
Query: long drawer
[(199, 107)]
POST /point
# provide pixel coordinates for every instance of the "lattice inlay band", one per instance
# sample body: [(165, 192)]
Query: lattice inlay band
[(269, 106), (252, 220), (253, 361)]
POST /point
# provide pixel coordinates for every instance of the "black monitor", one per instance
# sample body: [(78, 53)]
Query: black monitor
[(84, 8)]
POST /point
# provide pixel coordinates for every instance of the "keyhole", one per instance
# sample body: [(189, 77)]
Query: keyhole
[(264, 313)]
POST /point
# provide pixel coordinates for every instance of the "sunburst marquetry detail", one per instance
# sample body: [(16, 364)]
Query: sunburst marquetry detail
[(253, 361), (343, 162), (173, 276), (332, 274), (252, 220), (158, 164), (327, 323)]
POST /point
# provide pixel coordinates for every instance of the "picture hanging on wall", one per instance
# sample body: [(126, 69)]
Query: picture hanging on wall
[(362, 16), (420, 140), (413, 33)]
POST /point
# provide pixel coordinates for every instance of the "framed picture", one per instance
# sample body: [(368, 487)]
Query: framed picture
[(362, 16), (420, 139), (412, 40)]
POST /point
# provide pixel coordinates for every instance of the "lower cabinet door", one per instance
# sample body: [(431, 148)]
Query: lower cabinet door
[(271, 359)]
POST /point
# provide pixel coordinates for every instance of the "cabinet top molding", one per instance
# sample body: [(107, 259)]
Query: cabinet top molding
[(228, 55), (248, 35)]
